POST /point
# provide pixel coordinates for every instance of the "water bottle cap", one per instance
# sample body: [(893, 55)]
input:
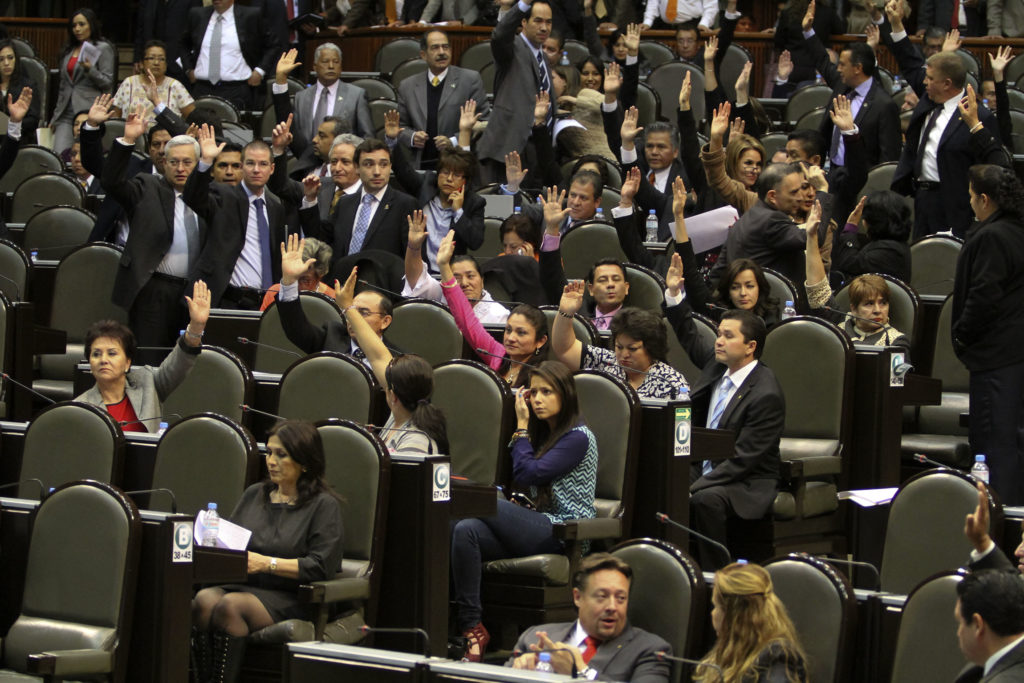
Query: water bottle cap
[(651, 212), (545, 656), (789, 303), (979, 458), (163, 425), (211, 506)]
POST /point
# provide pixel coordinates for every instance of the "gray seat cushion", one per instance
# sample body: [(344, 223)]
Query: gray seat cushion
[(820, 498), (553, 569), (801, 448)]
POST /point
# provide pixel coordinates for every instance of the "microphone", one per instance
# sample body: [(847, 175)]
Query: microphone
[(855, 563), (246, 340), (27, 388), (624, 367), (662, 655), (125, 423), (517, 653), (401, 631), (53, 247), (17, 289), (510, 360), (249, 409), (925, 460), (381, 289), (665, 519), (154, 348), (715, 307), (882, 326), (42, 487), (170, 494)]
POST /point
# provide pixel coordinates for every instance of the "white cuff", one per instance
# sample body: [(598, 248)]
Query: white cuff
[(203, 166), (14, 130), (898, 36), (852, 131), (260, 71), (609, 108), (670, 300), (808, 34), (306, 204), (733, 15), (289, 292), (628, 156), (88, 126), (279, 88), (975, 555), (159, 108), (523, 7), (619, 212), (632, 59)]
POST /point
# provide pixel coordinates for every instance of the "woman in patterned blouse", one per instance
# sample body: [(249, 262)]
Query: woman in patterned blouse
[(554, 457)]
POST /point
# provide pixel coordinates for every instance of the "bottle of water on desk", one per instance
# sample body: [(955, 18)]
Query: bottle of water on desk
[(652, 226), (544, 663), (211, 525), (789, 311), (564, 61), (980, 470)]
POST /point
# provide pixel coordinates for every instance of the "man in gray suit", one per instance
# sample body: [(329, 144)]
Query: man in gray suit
[(600, 643), (429, 105), (990, 626), (328, 97), (521, 72)]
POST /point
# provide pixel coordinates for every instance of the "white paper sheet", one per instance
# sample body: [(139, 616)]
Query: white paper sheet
[(708, 230)]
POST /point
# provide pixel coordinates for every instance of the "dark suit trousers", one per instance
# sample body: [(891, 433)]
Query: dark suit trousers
[(710, 511), (997, 428), (157, 317), (238, 93), (929, 215)]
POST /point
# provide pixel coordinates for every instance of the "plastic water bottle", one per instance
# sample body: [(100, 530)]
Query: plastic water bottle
[(544, 663), (789, 311), (980, 470), (599, 215), (34, 255), (517, 210), (818, 79), (564, 61), (161, 429), (211, 525), (652, 226)]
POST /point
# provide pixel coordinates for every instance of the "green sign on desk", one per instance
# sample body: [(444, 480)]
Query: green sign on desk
[(681, 436)]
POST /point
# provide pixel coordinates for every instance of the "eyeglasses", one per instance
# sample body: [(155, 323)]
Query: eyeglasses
[(155, 59), (180, 163)]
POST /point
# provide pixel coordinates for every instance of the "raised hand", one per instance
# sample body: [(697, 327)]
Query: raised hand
[(952, 42), (857, 211), (813, 219), (1002, 57), (710, 49), (633, 39), (976, 523), (612, 79), (808, 21), (417, 230), (554, 214), (674, 275), (285, 65), (629, 129), (743, 85), (134, 126), (872, 33), (311, 187), (292, 264), (572, 298), (17, 109), (446, 249), (737, 127), (198, 307), (968, 107), (208, 146), (100, 110), (816, 177), (630, 186), (514, 171), (541, 107), (345, 293), (391, 127), (841, 114), (720, 124), (282, 136), (685, 91), (785, 66), (894, 10)]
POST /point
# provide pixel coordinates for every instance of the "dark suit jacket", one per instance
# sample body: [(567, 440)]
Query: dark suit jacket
[(756, 413), (630, 657), (767, 236), (350, 104), (8, 153), (388, 231), (959, 149), (1008, 669), (940, 13), (167, 23), (149, 201), (331, 336), (516, 81), (291, 193), (255, 34), (878, 117), (226, 209), (459, 85)]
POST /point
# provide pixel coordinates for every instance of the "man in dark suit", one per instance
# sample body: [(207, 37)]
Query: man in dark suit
[(766, 233), (874, 112), (227, 50), (986, 554), (969, 16), (329, 97), (430, 105), (242, 258), (374, 218), (601, 643), (737, 392), (521, 72), (940, 146), (659, 163), (164, 241), (990, 626), (165, 20)]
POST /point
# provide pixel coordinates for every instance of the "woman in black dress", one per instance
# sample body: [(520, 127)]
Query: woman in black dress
[(295, 519)]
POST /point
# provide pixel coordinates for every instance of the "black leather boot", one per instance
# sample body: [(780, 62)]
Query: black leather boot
[(201, 652), (228, 653)]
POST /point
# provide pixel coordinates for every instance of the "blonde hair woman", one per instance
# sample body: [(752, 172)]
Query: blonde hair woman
[(756, 640)]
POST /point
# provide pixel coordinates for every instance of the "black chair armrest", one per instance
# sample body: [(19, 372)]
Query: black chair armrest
[(66, 663), (335, 590), (588, 529)]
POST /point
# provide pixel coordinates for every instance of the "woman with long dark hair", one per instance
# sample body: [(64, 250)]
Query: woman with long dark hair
[(756, 640), (81, 81), (884, 248), (554, 457), (12, 80), (295, 520), (988, 323)]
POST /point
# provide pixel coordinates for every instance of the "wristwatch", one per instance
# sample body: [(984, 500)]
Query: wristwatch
[(273, 565), (587, 673)]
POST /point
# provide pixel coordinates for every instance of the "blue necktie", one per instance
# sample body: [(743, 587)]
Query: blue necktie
[(264, 229), (716, 414), (362, 224)]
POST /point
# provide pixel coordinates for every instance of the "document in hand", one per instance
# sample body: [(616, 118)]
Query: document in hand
[(230, 536), (88, 53), (708, 230)]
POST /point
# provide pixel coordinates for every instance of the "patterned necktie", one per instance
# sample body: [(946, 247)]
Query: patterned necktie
[(590, 650), (650, 178), (716, 414), (362, 224), (320, 112), (215, 48), (434, 81), (264, 228), (338, 194), (544, 83)]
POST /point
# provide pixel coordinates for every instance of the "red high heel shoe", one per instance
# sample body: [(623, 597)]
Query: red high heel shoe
[(477, 639)]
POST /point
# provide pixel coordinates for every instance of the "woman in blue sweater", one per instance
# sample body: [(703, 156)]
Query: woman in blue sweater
[(554, 460)]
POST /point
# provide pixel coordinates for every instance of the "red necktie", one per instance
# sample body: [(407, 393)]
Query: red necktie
[(650, 177), (955, 21), (591, 648)]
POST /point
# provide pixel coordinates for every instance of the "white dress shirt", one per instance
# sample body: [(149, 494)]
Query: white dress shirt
[(929, 147), (232, 64), (248, 270), (705, 10)]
